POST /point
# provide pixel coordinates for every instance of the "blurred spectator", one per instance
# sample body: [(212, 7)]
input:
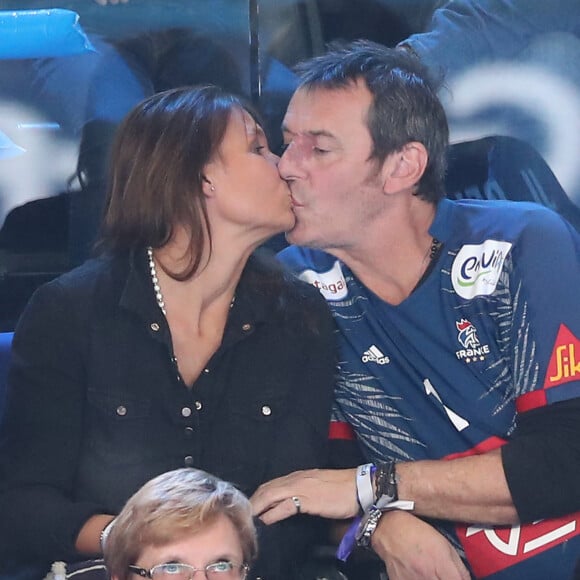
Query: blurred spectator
[(512, 68)]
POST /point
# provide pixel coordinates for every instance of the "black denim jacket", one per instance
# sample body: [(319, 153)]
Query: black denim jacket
[(96, 405)]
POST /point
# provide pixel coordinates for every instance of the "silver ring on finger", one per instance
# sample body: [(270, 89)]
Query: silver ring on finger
[(296, 501)]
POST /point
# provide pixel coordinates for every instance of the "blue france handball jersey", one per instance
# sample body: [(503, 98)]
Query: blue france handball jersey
[(492, 331)]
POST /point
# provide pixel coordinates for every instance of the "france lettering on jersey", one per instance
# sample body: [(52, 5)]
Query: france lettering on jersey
[(492, 331)]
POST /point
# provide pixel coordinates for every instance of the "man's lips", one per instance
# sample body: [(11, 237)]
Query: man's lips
[(295, 203)]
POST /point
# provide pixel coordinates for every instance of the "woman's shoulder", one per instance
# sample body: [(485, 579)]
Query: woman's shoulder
[(77, 292), (93, 274)]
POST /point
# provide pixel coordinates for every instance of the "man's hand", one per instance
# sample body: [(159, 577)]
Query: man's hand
[(413, 550), (330, 493)]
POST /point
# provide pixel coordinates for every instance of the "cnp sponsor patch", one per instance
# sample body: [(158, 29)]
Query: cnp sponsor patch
[(476, 268)]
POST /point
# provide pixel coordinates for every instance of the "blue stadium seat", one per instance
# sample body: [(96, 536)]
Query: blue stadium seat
[(501, 167), (5, 346)]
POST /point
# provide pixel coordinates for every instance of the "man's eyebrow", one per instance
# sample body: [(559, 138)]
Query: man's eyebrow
[(318, 133)]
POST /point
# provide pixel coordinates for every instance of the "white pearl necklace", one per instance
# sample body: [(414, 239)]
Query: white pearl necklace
[(157, 288), (155, 280)]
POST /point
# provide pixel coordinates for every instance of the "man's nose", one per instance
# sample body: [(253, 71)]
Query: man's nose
[(288, 166)]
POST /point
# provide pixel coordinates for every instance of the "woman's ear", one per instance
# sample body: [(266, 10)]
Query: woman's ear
[(207, 186), (404, 169)]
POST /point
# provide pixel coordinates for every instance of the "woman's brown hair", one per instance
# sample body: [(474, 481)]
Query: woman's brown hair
[(157, 164)]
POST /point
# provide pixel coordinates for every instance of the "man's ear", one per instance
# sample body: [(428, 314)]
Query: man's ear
[(403, 169)]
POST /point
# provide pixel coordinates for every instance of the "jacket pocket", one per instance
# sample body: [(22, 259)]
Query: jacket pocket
[(118, 427), (249, 440)]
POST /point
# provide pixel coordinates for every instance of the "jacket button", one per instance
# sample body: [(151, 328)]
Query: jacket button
[(198, 405), (121, 411), (266, 411), (188, 461), (246, 326), (154, 326), (186, 412), (189, 432)]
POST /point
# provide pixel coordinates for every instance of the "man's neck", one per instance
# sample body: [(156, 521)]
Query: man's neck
[(391, 257)]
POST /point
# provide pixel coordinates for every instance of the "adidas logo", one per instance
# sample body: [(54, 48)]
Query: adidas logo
[(373, 354)]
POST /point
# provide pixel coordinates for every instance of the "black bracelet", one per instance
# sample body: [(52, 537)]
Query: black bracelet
[(386, 481)]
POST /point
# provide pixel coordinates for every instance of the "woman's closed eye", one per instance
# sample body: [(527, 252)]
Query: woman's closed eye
[(259, 147)]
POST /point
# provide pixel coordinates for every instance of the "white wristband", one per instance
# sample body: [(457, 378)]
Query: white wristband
[(364, 486), (386, 505)]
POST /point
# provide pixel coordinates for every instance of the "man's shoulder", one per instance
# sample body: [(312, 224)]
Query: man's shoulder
[(506, 219), (508, 210)]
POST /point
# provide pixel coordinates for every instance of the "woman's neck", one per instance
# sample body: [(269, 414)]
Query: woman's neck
[(215, 281)]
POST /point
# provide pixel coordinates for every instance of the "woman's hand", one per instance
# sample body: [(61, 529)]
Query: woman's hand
[(413, 550), (330, 493)]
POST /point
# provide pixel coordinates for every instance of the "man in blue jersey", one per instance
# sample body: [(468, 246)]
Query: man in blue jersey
[(459, 322)]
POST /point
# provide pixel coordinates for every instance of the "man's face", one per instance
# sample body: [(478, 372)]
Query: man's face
[(335, 186)]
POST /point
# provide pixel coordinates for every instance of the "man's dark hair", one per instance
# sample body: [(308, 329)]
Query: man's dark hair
[(405, 105)]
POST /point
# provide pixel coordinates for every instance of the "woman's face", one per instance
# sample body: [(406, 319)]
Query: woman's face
[(247, 189), (217, 542)]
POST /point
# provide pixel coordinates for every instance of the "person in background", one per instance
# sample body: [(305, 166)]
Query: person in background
[(458, 326), (510, 67), (179, 346), (463, 33), (179, 522)]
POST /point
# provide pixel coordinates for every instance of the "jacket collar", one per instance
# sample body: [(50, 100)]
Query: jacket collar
[(253, 303)]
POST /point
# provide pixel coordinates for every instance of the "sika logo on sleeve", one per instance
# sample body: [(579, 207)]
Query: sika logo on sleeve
[(563, 372), (476, 268), (565, 360), (331, 283)]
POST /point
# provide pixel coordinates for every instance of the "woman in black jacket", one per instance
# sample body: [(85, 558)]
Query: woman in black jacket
[(176, 347)]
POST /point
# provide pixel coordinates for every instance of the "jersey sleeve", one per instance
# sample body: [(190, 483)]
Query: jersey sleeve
[(545, 285), (541, 458)]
